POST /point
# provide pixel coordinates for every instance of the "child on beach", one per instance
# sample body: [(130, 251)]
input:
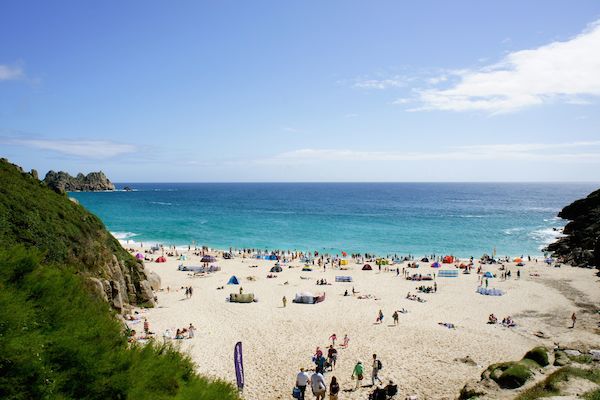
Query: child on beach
[(333, 338), (345, 342), (379, 319)]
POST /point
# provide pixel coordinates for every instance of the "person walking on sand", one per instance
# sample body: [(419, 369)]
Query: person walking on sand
[(146, 326), (334, 389), (573, 319), (332, 356), (318, 385), (333, 338), (284, 300), (302, 381), (358, 373), (376, 368), (395, 317), (379, 317), (191, 331)]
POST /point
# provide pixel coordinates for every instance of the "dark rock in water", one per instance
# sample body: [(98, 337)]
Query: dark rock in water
[(62, 182), (127, 189), (581, 245)]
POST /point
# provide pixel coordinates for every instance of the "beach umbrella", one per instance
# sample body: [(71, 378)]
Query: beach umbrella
[(488, 275), (518, 260), (161, 259), (208, 259), (435, 265), (139, 256), (549, 260)]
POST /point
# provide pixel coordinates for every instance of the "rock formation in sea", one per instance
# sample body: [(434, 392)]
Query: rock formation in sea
[(62, 182), (67, 234), (581, 244)]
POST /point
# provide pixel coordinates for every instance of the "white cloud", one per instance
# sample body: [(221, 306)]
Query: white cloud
[(525, 151), (8, 73), (567, 71), (380, 84), (95, 149)]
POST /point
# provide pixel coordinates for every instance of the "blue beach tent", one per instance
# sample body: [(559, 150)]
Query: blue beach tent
[(488, 275), (233, 280)]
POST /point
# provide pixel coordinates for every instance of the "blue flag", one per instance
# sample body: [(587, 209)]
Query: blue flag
[(239, 365)]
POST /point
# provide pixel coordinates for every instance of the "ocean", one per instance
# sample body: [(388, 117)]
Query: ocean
[(461, 219)]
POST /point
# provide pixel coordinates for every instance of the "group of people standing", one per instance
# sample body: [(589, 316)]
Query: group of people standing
[(317, 381)]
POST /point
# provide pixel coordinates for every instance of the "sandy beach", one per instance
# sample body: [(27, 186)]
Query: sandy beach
[(419, 354)]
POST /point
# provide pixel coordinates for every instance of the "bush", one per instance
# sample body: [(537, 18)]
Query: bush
[(515, 376), (57, 341), (539, 355)]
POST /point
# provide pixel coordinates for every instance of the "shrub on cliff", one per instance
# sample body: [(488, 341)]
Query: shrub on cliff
[(57, 341)]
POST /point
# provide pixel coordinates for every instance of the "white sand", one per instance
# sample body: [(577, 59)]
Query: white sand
[(418, 355)]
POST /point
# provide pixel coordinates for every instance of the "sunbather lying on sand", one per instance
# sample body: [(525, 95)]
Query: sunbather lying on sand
[(448, 325)]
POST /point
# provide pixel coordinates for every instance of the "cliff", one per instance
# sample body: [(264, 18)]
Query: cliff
[(65, 233), (581, 245), (62, 182)]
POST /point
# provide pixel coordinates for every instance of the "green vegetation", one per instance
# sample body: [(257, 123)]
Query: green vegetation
[(58, 341), (64, 232), (58, 338), (539, 355), (514, 374), (551, 385)]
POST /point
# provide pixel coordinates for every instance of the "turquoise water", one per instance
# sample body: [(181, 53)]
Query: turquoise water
[(383, 218)]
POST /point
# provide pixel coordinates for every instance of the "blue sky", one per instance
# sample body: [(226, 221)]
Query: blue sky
[(303, 90)]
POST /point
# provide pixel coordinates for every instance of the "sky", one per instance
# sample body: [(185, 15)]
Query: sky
[(248, 91)]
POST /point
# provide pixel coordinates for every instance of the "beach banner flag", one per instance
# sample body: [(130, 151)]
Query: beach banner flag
[(239, 365)]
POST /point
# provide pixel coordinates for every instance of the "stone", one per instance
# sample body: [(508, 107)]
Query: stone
[(471, 390), (98, 288), (154, 280), (62, 182), (573, 353), (595, 354)]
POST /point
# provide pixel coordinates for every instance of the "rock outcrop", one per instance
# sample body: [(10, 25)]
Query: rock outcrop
[(62, 182), (581, 244), (65, 233)]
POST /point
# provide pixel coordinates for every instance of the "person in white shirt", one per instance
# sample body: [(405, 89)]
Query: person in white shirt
[(301, 382), (318, 385)]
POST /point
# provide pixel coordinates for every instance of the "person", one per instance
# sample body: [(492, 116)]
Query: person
[(486, 283), (333, 338), (320, 362), (302, 381), (332, 356), (191, 330), (146, 326), (434, 287), (284, 300), (358, 373), (395, 317), (346, 341), (167, 335), (379, 317), (376, 368), (318, 385), (334, 389), (574, 319), (241, 290)]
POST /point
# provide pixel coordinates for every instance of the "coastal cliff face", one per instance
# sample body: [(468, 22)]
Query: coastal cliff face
[(62, 182), (581, 245), (33, 216)]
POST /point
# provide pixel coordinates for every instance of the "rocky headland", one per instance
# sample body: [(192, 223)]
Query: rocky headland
[(62, 182), (581, 244)]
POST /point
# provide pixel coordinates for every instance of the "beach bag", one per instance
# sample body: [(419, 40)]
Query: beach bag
[(296, 393), (360, 377), (379, 365)]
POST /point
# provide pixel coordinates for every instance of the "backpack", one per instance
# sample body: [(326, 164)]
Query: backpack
[(379, 365)]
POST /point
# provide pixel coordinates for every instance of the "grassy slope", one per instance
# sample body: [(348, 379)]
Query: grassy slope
[(36, 217), (57, 340)]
